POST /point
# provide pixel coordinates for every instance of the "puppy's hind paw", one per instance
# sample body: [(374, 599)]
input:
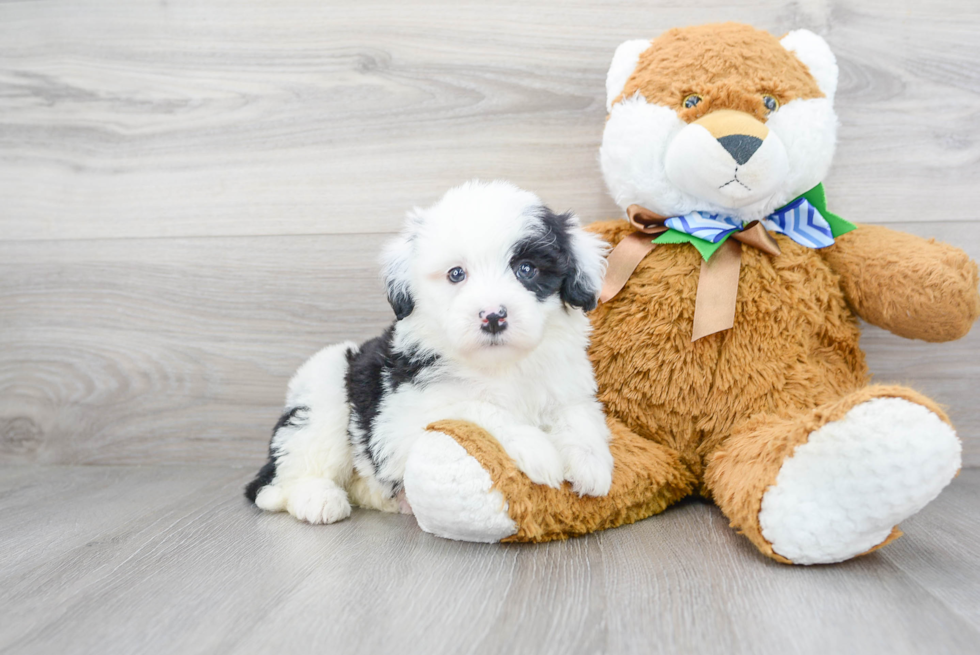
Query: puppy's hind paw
[(317, 500), (589, 470), (271, 499)]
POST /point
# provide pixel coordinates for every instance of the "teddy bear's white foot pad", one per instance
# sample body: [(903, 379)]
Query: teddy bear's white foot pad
[(451, 495), (841, 493)]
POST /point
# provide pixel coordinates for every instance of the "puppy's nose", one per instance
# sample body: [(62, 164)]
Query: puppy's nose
[(494, 321), (740, 146)]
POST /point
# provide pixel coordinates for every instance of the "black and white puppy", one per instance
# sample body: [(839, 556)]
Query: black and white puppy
[(489, 289)]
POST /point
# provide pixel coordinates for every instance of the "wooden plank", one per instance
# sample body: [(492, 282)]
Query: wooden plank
[(722, 596), (326, 287), (940, 553), (127, 351), (39, 525), (165, 119), (168, 559), (191, 341)]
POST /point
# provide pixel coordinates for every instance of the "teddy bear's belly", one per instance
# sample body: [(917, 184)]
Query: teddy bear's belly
[(794, 345)]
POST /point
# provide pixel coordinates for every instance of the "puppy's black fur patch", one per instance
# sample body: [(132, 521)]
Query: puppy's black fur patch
[(550, 252), (293, 416), (374, 372), (401, 302)]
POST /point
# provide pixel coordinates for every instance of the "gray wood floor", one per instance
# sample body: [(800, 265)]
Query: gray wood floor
[(172, 560)]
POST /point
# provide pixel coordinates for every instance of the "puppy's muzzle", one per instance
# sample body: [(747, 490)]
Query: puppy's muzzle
[(495, 321)]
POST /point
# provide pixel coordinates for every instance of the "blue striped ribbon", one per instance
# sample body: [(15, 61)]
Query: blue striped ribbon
[(799, 220)]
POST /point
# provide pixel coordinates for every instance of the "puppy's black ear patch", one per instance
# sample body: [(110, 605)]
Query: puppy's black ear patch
[(396, 268), (577, 287), (401, 301), (577, 292)]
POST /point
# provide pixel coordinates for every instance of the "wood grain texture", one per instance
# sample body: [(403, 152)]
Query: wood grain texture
[(134, 351), (172, 560), (193, 194), (176, 118)]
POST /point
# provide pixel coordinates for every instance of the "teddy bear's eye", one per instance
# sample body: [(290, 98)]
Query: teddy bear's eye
[(771, 103), (691, 101)]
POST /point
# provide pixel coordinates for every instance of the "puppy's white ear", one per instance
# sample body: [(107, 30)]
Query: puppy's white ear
[(396, 266), (622, 66), (816, 54), (583, 283)]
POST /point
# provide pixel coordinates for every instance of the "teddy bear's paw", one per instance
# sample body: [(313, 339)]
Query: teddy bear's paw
[(589, 470), (314, 500), (841, 493), (450, 492)]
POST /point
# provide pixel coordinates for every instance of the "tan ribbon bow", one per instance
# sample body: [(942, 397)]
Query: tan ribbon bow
[(714, 308)]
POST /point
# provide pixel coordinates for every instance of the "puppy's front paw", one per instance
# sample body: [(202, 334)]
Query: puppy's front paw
[(317, 500), (536, 456), (588, 469)]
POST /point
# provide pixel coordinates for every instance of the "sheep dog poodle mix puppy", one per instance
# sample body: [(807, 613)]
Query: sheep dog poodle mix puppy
[(490, 290)]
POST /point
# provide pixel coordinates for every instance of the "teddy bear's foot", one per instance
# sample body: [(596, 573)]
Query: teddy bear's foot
[(451, 494), (833, 482), (843, 491)]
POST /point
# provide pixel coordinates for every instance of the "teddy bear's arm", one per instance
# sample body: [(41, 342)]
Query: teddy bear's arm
[(913, 287), (462, 485)]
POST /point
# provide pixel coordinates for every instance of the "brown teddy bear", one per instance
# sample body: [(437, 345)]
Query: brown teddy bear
[(726, 348)]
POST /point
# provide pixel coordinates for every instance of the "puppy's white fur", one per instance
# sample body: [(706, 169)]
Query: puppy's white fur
[(353, 413)]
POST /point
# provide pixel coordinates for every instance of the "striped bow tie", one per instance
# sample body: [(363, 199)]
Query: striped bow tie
[(799, 220), (805, 220)]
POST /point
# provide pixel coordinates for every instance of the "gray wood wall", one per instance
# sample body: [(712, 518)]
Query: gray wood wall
[(192, 194)]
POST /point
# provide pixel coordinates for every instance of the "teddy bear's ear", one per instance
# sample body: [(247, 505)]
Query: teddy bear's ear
[(815, 53), (622, 66)]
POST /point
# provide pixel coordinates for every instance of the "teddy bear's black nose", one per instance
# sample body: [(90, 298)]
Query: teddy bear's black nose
[(740, 146)]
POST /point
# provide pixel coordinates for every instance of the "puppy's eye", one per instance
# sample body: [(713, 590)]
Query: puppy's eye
[(456, 275), (771, 103), (526, 271), (691, 101)]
